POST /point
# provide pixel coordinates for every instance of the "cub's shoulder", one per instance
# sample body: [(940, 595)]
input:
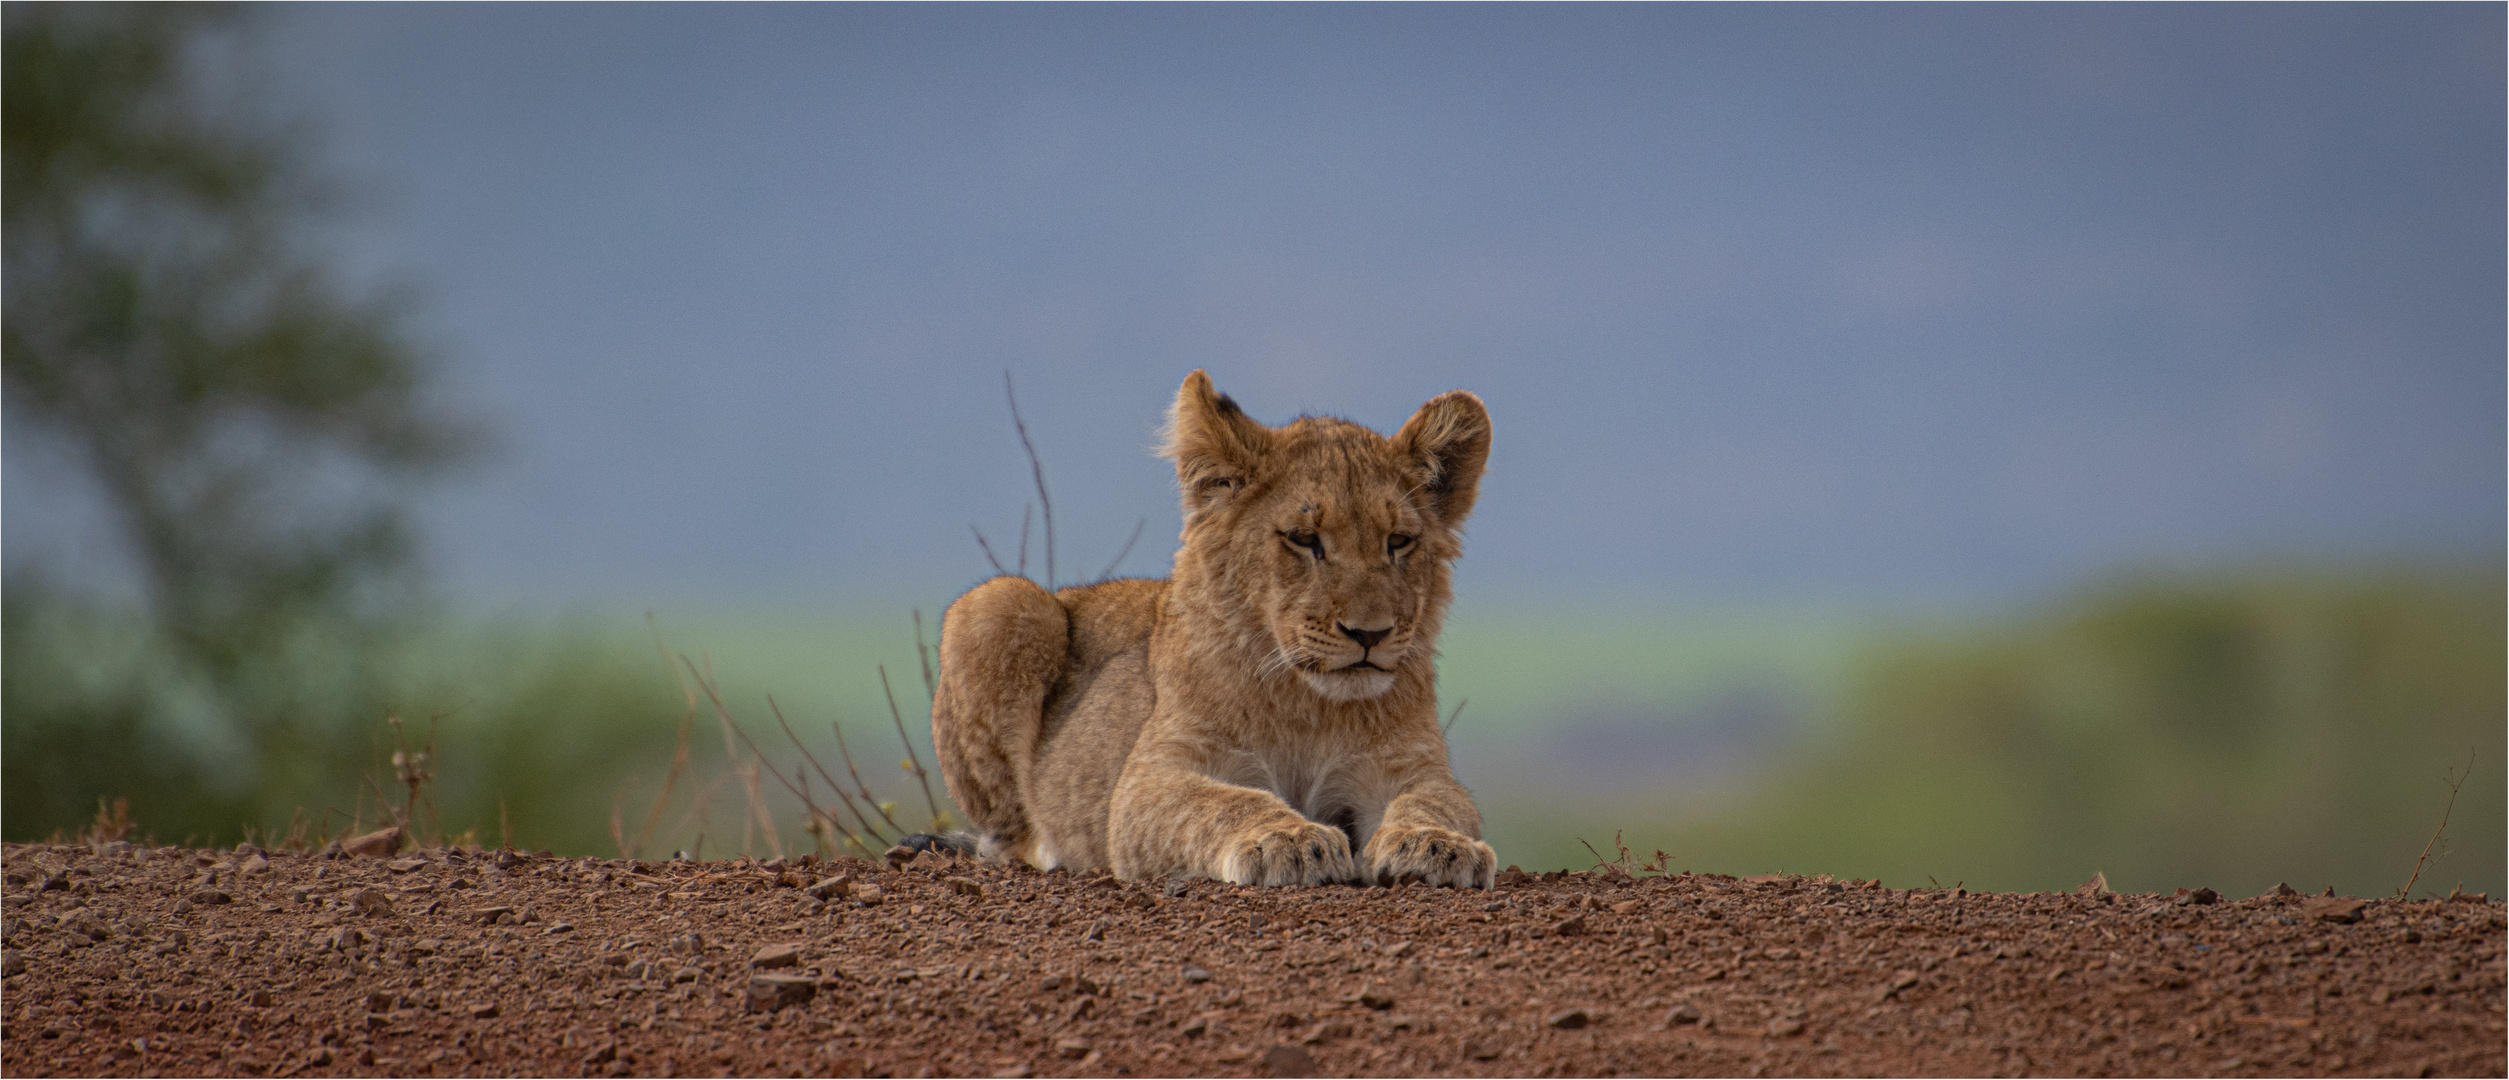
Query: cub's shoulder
[(1111, 616)]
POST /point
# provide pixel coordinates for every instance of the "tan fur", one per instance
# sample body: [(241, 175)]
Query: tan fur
[(1212, 723)]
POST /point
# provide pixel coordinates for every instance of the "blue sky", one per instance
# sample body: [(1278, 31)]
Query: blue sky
[(1769, 303)]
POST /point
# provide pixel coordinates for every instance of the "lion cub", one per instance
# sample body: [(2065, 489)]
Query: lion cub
[(1266, 711)]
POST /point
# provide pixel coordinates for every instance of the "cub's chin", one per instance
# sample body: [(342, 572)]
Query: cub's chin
[(1346, 684)]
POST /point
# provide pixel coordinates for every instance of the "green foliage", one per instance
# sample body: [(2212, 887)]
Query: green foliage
[(250, 428), (545, 727), (2230, 732)]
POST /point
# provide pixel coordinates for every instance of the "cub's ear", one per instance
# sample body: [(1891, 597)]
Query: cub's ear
[(1215, 444), (1449, 441)]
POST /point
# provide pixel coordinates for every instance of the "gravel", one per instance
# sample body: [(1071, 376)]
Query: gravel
[(447, 962)]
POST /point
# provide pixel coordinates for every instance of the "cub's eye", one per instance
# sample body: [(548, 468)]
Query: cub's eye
[(1307, 540), (1396, 542)]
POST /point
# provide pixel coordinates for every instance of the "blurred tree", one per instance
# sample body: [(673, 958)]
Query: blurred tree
[(251, 427)]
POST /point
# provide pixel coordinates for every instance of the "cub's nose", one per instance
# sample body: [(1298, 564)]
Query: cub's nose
[(1367, 639)]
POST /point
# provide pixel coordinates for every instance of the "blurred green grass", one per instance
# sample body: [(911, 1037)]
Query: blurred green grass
[(2230, 730)]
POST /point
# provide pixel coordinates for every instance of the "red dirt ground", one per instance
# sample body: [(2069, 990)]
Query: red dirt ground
[(125, 961)]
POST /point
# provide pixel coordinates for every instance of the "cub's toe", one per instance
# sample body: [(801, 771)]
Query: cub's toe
[(1434, 857), (1304, 853)]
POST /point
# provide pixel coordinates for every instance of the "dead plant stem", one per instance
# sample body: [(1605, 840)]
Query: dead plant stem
[(679, 752), (1036, 469), (1127, 549), (2451, 808), (931, 689), (860, 787), (939, 824), (847, 801), (998, 569), (759, 815)]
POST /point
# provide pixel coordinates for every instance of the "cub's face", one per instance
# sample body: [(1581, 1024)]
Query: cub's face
[(1327, 543)]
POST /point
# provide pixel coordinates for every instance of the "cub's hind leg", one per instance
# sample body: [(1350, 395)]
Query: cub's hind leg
[(1003, 646)]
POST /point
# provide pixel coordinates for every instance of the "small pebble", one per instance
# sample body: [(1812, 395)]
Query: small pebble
[(768, 993), (1289, 1061)]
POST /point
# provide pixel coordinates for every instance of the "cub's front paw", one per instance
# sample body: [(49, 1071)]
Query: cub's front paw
[(1431, 855), (1293, 852)]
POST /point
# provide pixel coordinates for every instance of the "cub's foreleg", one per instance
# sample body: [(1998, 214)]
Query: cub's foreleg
[(1003, 645), (1431, 834), (1168, 817)]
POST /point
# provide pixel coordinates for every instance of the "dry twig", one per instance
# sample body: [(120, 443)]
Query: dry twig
[(998, 569), (913, 762), (759, 816), (931, 690), (2453, 784), (679, 752), (847, 801), (1036, 469), (1025, 513), (862, 788), (1127, 549)]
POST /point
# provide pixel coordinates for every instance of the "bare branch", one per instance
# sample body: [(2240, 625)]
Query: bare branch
[(863, 788), (998, 569), (1036, 469), (2453, 784), (748, 773), (1127, 549), (679, 753), (931, 689), (928, 801), (842, 798)]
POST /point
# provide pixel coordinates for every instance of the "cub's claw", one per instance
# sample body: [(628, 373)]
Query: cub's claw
[(1287, 853), (1432, 856)]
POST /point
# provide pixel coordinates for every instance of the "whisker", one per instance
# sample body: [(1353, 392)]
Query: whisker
[(1281, 660)]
